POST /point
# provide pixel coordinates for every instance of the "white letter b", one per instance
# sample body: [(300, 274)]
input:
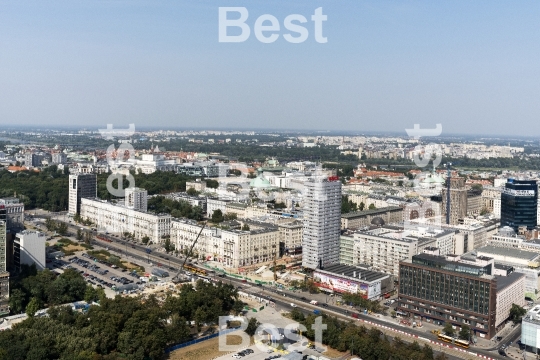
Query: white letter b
[(224, 23)]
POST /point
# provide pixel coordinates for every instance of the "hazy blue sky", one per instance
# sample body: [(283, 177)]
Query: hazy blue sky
[(473, 66)]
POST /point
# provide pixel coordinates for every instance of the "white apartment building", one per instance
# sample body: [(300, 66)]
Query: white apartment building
[(291, 236), (510, 290), (119, 219), (233, 248), (136, 199), (383, 248), (213, 204), (322, 222), (29, 248), (81, 186)]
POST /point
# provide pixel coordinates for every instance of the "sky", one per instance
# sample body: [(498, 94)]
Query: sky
[(472, 66)]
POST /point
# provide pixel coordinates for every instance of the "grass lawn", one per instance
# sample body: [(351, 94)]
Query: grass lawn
[(204, 350)]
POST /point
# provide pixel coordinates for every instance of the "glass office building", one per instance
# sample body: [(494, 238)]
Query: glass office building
[(519, 200)]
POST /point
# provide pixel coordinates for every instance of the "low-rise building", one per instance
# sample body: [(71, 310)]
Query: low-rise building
[(198, 185), (352, 279), (530, 328), (359, 219)]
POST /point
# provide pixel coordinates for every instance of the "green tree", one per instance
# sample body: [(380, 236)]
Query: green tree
[(245, 227), (448, 329), (212, 184), (33, 306), (371, 206), (362, 206), (79, 234), (217, 216), (465, 332), (516, 313), (50, 224), (62, 228), (192, 192), (145, 240), (230, 216), (252, 326), (168, 245), (17, 299)]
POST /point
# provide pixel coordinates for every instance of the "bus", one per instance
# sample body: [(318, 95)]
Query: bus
[(445, 338), (462, 343), (195, 270), (458, 342)]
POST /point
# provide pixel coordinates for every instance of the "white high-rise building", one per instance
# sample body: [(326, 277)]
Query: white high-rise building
[(29, 248), (322, 222), (137, 199), (81, 186)]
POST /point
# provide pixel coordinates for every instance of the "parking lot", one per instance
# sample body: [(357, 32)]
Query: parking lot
[(99, 274)]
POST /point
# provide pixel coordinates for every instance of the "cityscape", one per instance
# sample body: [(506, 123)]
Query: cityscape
[(321, 181)]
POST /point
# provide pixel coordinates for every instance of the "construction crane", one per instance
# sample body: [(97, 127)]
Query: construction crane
[(275, 275), (189, 253)]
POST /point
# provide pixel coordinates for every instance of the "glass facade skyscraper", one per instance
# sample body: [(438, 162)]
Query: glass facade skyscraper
[(519, 200)]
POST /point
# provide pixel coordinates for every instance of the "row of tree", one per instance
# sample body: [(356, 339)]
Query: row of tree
[(119, 328), (34, 290), (178, 209), (368, 344)]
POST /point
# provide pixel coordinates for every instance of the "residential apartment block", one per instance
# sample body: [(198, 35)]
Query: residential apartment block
[(233, 248), (382, 248), (322, 220), (117, 218), (359, 219)]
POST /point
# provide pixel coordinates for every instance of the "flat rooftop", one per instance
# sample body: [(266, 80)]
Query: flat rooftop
[(503, 251), (356, 214), (505, 281), (349, 272)]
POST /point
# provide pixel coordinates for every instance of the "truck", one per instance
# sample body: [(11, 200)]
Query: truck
[(314, 302)]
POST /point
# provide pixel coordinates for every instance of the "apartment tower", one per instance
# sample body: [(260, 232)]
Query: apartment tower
[(322, 222)]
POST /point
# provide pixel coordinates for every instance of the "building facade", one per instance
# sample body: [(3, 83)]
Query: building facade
[(29, 248), (458, 200), (359, 219), (519, 202), (322, 222), (120, 219), (460, 292), (136, 199), (369, 284), (4, 274), (81, 186), (383, 248)]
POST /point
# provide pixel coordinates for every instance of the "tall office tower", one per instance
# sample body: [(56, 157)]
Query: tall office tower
[(322, 222), (458, 200), (137, 199), (519, 201), (81, 186), (4, 274)]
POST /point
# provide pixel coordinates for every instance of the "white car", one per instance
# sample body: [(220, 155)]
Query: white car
[(293, 305), (236, 356)]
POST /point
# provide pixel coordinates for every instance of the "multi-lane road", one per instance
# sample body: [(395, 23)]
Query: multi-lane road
[(281, 298)]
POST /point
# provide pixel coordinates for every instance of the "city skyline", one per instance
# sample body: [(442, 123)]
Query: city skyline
[(385, 67)]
